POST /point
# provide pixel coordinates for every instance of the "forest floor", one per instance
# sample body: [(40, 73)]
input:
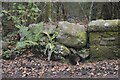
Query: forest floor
[(34, 67)]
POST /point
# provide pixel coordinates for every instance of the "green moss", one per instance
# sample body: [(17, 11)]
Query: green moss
[(81, 35), (66, 50), (62, 48), (72, 35), (103, 52), (110, 34), (95, 38)]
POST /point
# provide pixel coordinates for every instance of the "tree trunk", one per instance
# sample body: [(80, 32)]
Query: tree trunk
[(48, 12)]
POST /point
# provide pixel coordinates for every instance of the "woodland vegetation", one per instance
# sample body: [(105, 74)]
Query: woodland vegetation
[(58, 31)]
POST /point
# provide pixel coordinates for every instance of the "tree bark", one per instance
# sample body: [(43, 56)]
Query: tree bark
[(48, 12)]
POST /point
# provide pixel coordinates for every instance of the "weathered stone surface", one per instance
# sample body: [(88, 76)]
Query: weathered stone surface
[(103, 52), (83, 54), (103, 45), (95, 38), (104, 39), (71, 35), (50, 28), (63, 50), (108, 41), (104, 25)]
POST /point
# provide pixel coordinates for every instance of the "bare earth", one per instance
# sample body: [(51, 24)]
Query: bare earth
[(35, 67)]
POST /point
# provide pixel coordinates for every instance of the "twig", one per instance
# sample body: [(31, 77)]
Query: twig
[(90, 14)]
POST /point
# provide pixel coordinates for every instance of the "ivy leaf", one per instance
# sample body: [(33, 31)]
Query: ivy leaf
[(38, 28), (29, 36), (38, 31), (31, 43), (24, 44), (23, 31), (21, 45)]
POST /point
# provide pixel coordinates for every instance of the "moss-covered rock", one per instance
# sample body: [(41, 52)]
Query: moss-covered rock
[(103, 52), (104, 38), (104, 25), (95, 38), (71, 34), (62, 50)]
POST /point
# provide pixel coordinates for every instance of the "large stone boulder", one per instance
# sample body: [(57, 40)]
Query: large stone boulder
[(71, 34)]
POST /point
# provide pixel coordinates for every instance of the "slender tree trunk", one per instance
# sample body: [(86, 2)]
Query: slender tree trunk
[(83, 12), (48, 12), (61, 13), (90, 14), (64, 14), (58, 10)]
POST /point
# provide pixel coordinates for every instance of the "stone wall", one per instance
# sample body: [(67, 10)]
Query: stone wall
[(104, 38)]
